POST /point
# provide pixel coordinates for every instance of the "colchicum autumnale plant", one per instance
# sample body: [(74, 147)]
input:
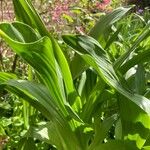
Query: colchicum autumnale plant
[(84, 99)]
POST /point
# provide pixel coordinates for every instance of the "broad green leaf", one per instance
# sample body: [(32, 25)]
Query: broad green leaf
[(95, 56), (17, 30), (26, 13), (116, 145), (141, 57), (6, 76), (35, 94), (101, 130), (30, 16), (135, 127), (118, 130), (85, 88), (135, 122), (57, 93), (84, 133), (40, 98), (39, 54), (99, 30), (91, 80), (45, 132), (71, 94)]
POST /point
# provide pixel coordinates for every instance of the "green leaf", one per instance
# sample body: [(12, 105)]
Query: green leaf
[(99, 30), (29, 16), (141, 57), (95, 56), (34, 93), (118, 130), (143, 35), (6, 76), (140, 81), (39, 54), (93, 100), (146, 148), (68, 18), (77, 66), (17, 30), (135, 123), (45, 132), (113, 38), (42, 55), (101, 130), (26, 13), (40, 98), (41, 131), (26, 144), (116, 145), (71, 94)]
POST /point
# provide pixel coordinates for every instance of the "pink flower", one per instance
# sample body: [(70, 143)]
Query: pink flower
[(102, 5), (106, 2), (60, 9)]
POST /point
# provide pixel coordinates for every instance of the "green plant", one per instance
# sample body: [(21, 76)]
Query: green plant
[(82, 102)]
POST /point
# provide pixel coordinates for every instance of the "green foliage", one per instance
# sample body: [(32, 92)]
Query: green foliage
[(91, 103)]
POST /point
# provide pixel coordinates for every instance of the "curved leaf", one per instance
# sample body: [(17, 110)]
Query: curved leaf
[(105, 22), (39, 96), (26, 13), (95, 56), (141, 57), (39, 54)]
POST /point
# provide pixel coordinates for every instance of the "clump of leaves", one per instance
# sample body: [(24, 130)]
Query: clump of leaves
[(82, 102)]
